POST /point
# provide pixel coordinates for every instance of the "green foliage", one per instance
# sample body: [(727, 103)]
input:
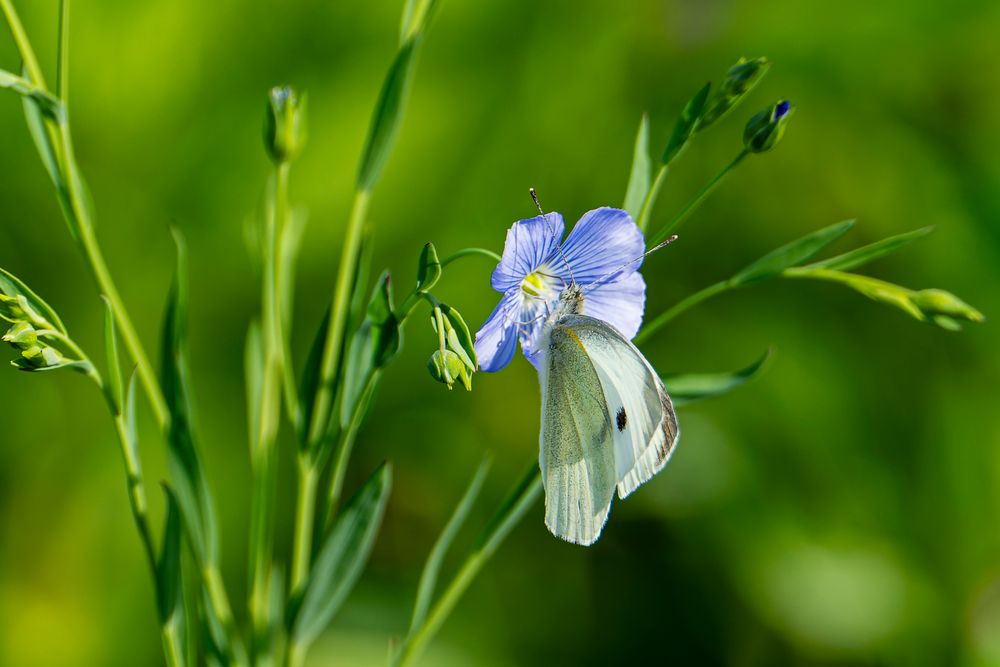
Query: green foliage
[(388, 116), (791, 254), (690, 387), (341, 558), (639, 177), (686, 124)]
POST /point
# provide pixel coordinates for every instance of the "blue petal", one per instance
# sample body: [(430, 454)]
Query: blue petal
[(533, 316), (620, 303), (496, 340), (603, 241), (529, 243)]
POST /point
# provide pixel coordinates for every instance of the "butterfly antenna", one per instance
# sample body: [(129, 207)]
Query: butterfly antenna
[(534, 198), (608, 276)]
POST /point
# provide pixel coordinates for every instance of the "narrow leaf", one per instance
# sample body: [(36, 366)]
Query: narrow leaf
[(872, 251), (639, 179), (309, 385), (791, 254), (168, 565), (428, 579), (12, 286), (342, 558), (114, 379), (388, 114), (686, 124), (416, 13), (688, 388), (373, 345), (189, 483)]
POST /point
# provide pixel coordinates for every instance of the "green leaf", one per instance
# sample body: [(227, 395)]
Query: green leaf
[(639, 179), (416, 13), (373, 345), (428, 579), (865, 254), (691, 387), (686, 124), (114, 379), (44, 316), (342, 558), (189, 483), (388, 114), (428, 268), (791, 254), (45, 102), (168, 565), (309, 385)]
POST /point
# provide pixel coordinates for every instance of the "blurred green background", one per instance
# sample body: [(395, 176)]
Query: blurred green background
[(842, 510)]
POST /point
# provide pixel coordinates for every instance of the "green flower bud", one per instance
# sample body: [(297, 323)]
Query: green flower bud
[(10, 309), (944, 308), (765, 129), (40, 358), (22, 336), (740, 79), (284, 124), (446, 367), (428, 268)]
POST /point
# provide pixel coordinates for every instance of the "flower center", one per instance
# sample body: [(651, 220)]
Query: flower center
[(534, 284)]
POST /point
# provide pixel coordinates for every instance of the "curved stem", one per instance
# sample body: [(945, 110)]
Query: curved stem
[(510, 513), (697, 201), (654, 192), (467, 252), (663, 318)]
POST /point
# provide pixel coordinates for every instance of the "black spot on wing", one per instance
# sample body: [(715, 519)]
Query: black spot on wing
[(621, 419)]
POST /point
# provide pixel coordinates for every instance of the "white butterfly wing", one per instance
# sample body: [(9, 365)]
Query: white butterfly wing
[(576, 457), (644, 426)]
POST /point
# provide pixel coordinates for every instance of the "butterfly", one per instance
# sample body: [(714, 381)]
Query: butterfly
[(607, 421)]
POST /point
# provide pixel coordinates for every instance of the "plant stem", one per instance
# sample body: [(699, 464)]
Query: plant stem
[(75, 210), (524, 496), (23, 44), (467, 252), (333, 345), (62, 60), (305, 508), (264, 441), (654, 192), (99, 269), (663, 318), (697, 201)]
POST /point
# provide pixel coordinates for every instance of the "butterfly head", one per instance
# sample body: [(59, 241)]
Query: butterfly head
[(570, 301)]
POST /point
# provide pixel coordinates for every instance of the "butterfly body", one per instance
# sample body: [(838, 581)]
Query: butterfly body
[(607, 421)]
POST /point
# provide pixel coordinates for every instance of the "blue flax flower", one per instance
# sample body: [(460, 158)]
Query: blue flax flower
[(533, 271)]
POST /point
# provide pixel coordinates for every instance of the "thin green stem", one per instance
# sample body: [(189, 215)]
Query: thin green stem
[(99, 269), (650, 200), (521, 500), (23, 44), (345, 446), (305, 508), (264, 440), (333, 344), (62, 67), (663, 318), (697, 201), (466, 252), (216, 591)]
